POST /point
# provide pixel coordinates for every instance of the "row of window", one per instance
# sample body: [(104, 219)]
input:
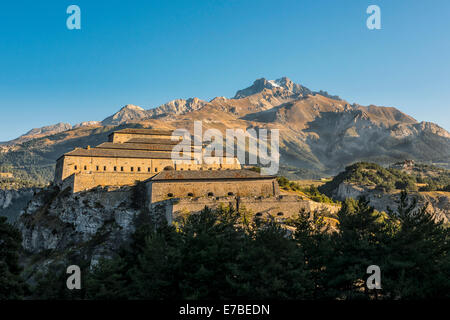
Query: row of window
[(211, 194), (97, 168), (190, 194), (122, 169), (259, 214)]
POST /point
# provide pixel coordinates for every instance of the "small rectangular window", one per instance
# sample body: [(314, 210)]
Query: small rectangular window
[(104, 168), (156, 169), (97, 168), (149, 170), (85, 167), (139, 169), (132, 169), (121, 168), (115, 168), (76, 167)]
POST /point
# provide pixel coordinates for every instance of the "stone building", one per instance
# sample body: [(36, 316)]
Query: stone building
[(130, 155), (174, 188), (278, 207), (175, 193), (182, 184)]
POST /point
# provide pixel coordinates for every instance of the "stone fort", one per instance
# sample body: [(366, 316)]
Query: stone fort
[(173, 186)]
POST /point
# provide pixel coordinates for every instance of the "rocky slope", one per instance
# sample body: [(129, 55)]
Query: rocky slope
[(12, 202), (57, 225), (437, 202), (59, 127), (47, 131), (382, 186)]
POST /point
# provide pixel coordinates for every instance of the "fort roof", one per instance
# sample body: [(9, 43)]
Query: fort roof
[(160, 132), (109, 153), (172, 175), (136, 146), (153, 141), (123, 153)]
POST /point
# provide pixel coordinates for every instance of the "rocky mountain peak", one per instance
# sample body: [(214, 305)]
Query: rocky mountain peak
[(128, 113), (132, 107), (55, 128), (86, 124), (282, 83), (177, 106), (433, 128)]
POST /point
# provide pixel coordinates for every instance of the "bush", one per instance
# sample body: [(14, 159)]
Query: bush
[(312, 191)]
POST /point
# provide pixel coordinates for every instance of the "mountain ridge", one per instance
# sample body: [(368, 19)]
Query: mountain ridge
[(318, 132), (281, 89)]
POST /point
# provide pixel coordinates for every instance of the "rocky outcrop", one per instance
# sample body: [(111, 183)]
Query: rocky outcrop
[(283, 83), (177, 107), (438, 203), (94, 224), (128, 114), (13, 201), (86, 124)]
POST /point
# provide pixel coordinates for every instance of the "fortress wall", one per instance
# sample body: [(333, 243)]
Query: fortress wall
[(59, 170), (289, 206), (85, 181), (240, 187), (89, 165), (66, 166), (69, 182)]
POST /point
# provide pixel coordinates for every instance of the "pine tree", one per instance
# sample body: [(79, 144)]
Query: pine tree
[(153, 274), (108, 280), (313, 237), (52, 284), (272, 266), (211, 242), (12, 285), (418, 264), (358, 244)]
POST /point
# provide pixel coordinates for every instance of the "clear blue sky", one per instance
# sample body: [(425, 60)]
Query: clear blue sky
[(149, 52)]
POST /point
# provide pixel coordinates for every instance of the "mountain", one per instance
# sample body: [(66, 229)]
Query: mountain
[(283, 83), (132, 114), (129, 113), (87, 124), (40, 132), (280, 84), (48, 130), (176, 107), (320, 134), (59, 127)]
